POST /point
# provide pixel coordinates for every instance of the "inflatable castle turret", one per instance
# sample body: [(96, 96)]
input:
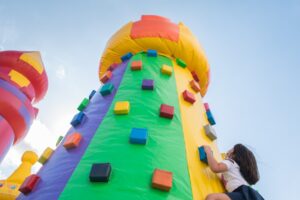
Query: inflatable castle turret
[(139, 136), (23, 81)]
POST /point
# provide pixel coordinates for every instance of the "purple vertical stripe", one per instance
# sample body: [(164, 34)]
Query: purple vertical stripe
[(57, 171)]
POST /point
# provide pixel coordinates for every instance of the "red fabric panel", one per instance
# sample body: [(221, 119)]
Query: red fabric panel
[(9, 106), (6, 137), (148, 27)]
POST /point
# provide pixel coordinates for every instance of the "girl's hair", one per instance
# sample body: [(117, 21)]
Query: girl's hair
[(247, 162)]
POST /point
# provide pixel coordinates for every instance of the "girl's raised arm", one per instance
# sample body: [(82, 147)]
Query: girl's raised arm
[(214, 165)]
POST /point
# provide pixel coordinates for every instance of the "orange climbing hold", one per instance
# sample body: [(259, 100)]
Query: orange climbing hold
[(162, 180), (195, 86), (106, 76), (72, 140), (136, 65)]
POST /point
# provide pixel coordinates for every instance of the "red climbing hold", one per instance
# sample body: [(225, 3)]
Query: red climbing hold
[(188, 96)]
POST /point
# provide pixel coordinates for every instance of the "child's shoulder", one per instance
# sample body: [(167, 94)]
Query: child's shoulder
[(229, 162)]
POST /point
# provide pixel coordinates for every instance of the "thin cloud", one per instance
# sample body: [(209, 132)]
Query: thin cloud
[(60, 72)]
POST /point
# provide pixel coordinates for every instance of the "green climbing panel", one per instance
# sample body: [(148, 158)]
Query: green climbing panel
[(133, 165)]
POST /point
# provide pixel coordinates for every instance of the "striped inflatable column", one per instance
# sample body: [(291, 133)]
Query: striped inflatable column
[(23, 81)]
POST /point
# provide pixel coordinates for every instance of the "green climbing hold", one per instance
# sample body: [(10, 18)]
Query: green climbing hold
[(180, 62), (59, 140), (85, 102)]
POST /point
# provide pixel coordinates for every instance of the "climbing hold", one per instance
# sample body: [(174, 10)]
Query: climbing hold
[(77, 119), (202, 154), (188, 96), (195, 76), (106, 76), (122, 107), (166, 69), (72, 140), (152, 53), (210, 117), (138, 136), (29, 184), (84, 103), (106, 89), (162, 180), (210, 132), (195, 86), (127, 56), (136, 65), (100, 172), (92, 94), (223, 156), (59, 140), (166, 111), (45, 155), (148, 84), (206, 106), (180, 62), (113, 66)]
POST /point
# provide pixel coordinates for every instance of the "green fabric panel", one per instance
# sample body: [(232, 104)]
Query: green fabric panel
[(132, 164)]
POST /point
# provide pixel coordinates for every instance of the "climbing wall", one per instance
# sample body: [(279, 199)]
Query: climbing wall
[(139, 136), (133, 164), (171, 143), (56, 172)]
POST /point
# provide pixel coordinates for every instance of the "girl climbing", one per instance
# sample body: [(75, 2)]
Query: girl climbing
[(238, 171)]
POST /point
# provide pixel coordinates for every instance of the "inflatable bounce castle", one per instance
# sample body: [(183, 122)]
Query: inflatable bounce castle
[(140, 135)]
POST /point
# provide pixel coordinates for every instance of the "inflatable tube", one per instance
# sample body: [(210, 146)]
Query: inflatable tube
[(28, 64), (23, 81)]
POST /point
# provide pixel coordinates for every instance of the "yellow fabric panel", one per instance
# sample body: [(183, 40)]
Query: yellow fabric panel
[(18, 78), (187, 49), (119, 44), (190, 51), (34, 59), (193, 117), (29, 158)]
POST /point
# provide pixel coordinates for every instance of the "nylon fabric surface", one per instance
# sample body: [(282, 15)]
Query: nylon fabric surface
[(57, 171), (133, 165), (203, 180)]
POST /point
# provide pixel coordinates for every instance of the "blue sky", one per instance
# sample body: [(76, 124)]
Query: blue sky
[(253, 48)]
